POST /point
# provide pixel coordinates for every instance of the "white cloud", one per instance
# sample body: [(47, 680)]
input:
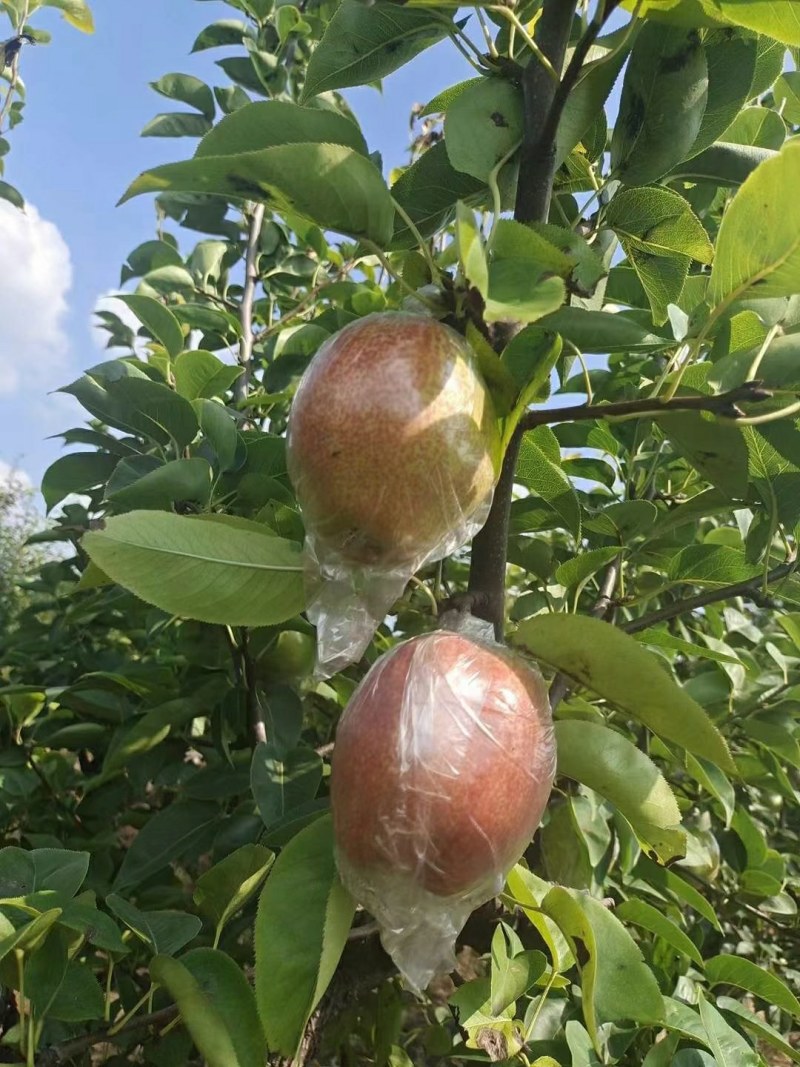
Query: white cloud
[(36, 276)]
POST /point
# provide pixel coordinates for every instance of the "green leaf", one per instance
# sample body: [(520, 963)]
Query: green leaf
[(731, 66), (471, 1005), (528, 890), (612, 766), (97, 927), (78, 472), (216, 1004), (613, 665), (220, 431), (45, 970), (546, 479), (268, 124), (30, 935), (601, 331), (176, 124), (664, 96), (586, 100), (759, 238), (514, 971), (530, 357), (157, 319), (146, 733), (774, 18), (741, 972), (208, 319), (180, 481), (363, 44), (775, 477), (716, 449), (660, 222), (663, 639), (729, 1047), (332, 185), (301, 930), (220, 33), (201, 374), (667, 881), (649, 918), (659, 234), (189, 90), (471, 252), (759, 126), (282, 782), (522, 283), (12, 195), (787, 96), (723, 164), (164, 932), (624, 520), (79, 997), (615, 981), (428, 192), (483, 125), (173, 832), (76, 12), (759, 1026), (713, 566), (211, 571), (53, 870), (226, 888), (576, 570), (442, 101)]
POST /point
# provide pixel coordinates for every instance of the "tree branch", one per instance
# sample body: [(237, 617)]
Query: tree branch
[(534, 189), (68, 1050), (750, 587), (724, 404), (539, 94), (574, 67), (255, 713), (242, 384)]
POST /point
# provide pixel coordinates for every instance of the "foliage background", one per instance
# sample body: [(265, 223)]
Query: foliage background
[(162, 740)]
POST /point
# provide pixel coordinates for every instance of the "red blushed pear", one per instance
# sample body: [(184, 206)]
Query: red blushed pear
[(393, 442), (443, 766)]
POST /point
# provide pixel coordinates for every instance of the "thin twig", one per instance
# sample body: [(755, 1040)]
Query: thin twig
[(12, 84), (242, 384), (724, 404), (255, 713), (68, 1050), (750, 587)]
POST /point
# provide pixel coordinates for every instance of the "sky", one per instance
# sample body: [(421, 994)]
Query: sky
[(72, 158)]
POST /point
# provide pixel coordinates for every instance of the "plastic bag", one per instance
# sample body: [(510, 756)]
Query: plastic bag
[(443, 765), (393, 449)]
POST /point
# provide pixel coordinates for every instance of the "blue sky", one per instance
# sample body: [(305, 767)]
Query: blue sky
[(73, 156)]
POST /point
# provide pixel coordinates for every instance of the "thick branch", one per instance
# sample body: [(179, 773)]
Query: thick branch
[(242, 384), (487, 574), (534, 188), (723, 404), (751, 587), (539, 92)]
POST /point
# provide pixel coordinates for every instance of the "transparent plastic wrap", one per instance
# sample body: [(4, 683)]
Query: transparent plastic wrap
[(443, 765), (393, 449)]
